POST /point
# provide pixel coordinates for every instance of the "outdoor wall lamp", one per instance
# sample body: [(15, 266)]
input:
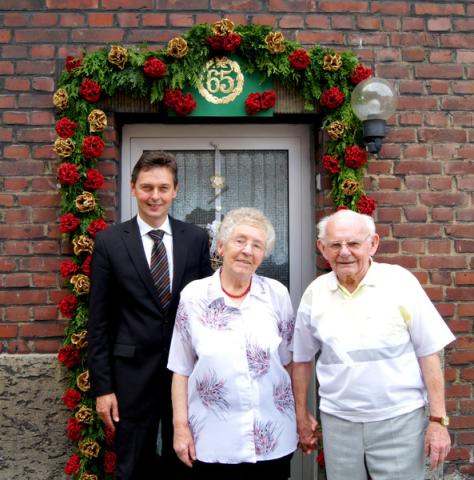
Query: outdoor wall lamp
[(373, 102)]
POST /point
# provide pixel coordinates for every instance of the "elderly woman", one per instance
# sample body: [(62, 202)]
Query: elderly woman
[(233, 408)]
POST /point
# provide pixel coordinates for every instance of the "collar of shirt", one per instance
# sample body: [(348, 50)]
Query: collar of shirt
[(145, 228), (371, 278), (214, 290)]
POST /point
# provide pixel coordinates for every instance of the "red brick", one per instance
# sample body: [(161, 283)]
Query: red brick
[(137, 4), (17, 216), (395, 198), (72, 4), (440, 87), (15, 19), (8, 331), (439, 246), (413, 23), (416, 214), (439, 24), (391, 24), (6, 134), (459, 326), (7, 264), (466, 438), (18, 346), (17, 247), (44, 19), (42, 51), (35, 100), (413, 54), (46, 346), (416, 103), (458, 454), (306, 37), (6, 68), (7, 101), (417, 167), (36, 35), (413, 182), (41, 118), (368, 23), (318, 21), (460, 294), (442, 214), (404, 261), (181, 20), (292, 21), (417, 231), (387, 55), (444, 198), (132, 20), (390, 8), (45, 248), (466, 406), (343, 7), (413, 246), (445, 309), (100, 36), (43, 84), (15, 118), (23, 297), (72, 20), (41, 330), (441, 56), (100, 19), (45, 312), (435, 8), (433, 262), (16, 152), (460, 231), (458, 168), (17, 84), (17, 280), (411, 118), (457, 40), (464, 278), (438, 71), (436, 119), (465, 215), (416, 151), (17, 314), (459, 391)]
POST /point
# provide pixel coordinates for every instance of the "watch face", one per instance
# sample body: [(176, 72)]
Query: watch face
[(445, 421)]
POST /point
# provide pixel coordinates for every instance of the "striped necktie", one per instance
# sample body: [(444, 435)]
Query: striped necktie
[(159, 268)]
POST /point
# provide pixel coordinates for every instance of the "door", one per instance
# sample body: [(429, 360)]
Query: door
[(221, 167)]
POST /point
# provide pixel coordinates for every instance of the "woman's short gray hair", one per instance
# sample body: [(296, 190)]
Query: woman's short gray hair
[(247, 216), (350, 214)]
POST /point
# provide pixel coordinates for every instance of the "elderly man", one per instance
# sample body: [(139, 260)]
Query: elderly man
[(378, 336)]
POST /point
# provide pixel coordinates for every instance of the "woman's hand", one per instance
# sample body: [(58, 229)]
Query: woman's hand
[(307, 432), (183, 444)]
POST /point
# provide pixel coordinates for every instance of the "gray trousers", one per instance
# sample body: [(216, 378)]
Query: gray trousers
[(386, 450)]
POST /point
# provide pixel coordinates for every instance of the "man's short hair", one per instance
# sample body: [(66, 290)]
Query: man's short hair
[(155, 158), (366, 219)]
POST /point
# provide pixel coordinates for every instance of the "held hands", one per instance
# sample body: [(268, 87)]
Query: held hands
[(183, 444), (308, 434), (107, 408), (437, 443)]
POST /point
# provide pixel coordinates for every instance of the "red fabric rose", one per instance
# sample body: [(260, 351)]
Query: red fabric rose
[(92, 147), (332, 98), (73, 465), (71, 398), (96, 226), (65, 128), (68, 305), (185, 105), (268, 99), (253, 103), (94, 179), (331, 164), (366, 205), (299, 59), (72, 63), (68, 268), (69, 356), (361, 73), (89, 90), (68, 174), (74, 428), (355, 157), (172, 97), (109, 437), (68, 223), (216, 42), (86, 266), (110, 462), (154, 68), (341, 207), (231, 42)]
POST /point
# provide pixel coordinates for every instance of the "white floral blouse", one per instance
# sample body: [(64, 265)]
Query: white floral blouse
[(240, 402)]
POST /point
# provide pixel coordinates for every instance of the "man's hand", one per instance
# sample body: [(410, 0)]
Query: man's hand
[(107, 408), (307, 432), (437, 443), (183, 444)]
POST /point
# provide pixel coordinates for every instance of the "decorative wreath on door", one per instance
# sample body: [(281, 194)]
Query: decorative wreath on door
[(321, 75)]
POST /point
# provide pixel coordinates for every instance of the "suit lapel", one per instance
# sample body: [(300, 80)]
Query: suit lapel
[(133, 242), (179, 255)]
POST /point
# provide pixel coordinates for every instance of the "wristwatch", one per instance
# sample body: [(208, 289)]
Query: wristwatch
[(443, 420)]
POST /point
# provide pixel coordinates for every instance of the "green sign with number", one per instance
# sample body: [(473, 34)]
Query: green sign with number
[(223, 89)]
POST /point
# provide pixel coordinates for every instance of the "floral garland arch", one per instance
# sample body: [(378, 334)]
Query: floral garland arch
[(322, 75)]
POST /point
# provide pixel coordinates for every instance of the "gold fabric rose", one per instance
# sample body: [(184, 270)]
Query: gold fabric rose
[(88, 476), (64, 147), (349, 186), (82, 244), (332, 63), (82, 382), (97, 120), (85, 202), (89, 448), (335, 130), (275, 42), (81, 284), (84, 415), (118, 56), (61, 99), (223, 27), (79, 340), (177, 47)]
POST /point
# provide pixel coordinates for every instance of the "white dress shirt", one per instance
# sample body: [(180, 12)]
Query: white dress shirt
[(148, 241)]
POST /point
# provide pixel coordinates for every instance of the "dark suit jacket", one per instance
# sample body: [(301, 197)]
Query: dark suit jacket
[(129, 333)]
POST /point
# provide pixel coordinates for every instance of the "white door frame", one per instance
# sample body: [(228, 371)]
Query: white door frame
[(294, 138)]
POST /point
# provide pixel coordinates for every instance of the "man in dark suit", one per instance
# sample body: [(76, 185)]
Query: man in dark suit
[(130, 323)]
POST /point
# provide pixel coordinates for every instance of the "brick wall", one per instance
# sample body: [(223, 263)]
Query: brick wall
[(423, 180)]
